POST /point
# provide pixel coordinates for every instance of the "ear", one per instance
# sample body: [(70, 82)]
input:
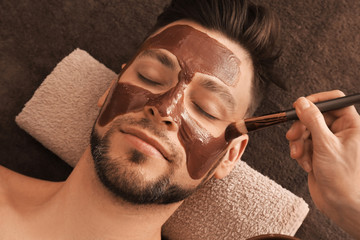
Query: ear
[(234, 153)]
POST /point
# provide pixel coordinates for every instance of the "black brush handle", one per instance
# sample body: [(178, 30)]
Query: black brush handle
[(329, 105)]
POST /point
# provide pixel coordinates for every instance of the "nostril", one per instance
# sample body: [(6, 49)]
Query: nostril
[(168, 123), (153, 113)]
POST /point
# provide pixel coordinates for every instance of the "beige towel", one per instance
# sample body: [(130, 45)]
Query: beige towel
[(61, 113)]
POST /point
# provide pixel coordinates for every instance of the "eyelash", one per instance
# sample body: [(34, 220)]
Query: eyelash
[(147, 81), (153, 83), (204, 113)]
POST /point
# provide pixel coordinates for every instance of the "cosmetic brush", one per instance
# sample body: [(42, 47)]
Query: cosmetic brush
[(255, 123)]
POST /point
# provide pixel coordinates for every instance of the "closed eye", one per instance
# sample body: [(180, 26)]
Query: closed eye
[(203, 112), (147, 81)]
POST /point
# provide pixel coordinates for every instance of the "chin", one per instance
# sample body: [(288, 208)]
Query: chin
[(123, 177)]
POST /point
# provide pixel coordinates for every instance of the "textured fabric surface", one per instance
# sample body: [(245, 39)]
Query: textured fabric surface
[(321, 52), (63, 109), (61, 113), (243, 205)]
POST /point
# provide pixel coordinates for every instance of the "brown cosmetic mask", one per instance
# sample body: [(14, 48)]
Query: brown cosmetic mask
[(195, 52)]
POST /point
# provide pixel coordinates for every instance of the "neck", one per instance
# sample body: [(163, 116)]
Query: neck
[(89, 208)]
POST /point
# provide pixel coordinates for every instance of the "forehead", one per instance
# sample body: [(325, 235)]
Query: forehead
[(197, 52)]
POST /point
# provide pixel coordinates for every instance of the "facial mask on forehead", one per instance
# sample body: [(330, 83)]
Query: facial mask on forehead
[(195, 52)]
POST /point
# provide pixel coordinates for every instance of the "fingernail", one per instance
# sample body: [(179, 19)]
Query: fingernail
[(303, 103), (307, 167)]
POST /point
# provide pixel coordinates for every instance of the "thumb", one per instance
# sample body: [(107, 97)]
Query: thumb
[(312, 118)]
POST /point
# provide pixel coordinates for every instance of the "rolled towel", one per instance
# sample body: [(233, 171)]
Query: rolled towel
[(246, 203)]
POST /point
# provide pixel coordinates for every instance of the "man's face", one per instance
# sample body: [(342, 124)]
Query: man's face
[(162, 126)]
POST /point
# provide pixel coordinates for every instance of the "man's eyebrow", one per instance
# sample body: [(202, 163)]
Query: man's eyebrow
[(224, 94), (160, 56)]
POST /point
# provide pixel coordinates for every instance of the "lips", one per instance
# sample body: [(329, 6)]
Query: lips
[(149, 140)]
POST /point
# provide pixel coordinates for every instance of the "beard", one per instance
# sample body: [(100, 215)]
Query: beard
[(128, 184)]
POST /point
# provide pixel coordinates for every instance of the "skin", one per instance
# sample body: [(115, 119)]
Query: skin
[(81, 208), (327, 148)]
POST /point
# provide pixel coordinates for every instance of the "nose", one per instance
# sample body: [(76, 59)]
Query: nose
[(153, 113)]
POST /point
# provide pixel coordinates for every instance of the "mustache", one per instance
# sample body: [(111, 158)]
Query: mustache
[(149, 126), (143, 123)]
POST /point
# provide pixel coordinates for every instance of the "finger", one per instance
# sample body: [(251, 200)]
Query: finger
[(296, 131), (323, 96), (297, 147), (305, 160), (345, 122), (340, 119), (312, 118), (297, 128), (329, 118)]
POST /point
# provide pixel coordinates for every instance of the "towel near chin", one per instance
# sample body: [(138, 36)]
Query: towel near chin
[(61, 113)]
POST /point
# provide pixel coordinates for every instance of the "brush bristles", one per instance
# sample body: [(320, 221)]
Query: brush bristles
[(235, 130), (241, 127)]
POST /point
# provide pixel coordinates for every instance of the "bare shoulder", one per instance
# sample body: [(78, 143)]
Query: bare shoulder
[(10, 180), (21, 195), (6, 210), (6, 176), (17, 189)]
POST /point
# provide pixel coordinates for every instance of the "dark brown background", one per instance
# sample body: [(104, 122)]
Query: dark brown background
[(321, 52)]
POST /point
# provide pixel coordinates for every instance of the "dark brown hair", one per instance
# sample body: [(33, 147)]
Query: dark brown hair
[(253, 26)]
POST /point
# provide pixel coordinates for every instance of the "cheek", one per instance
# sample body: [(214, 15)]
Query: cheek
[(123, 98), (202, 149)]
